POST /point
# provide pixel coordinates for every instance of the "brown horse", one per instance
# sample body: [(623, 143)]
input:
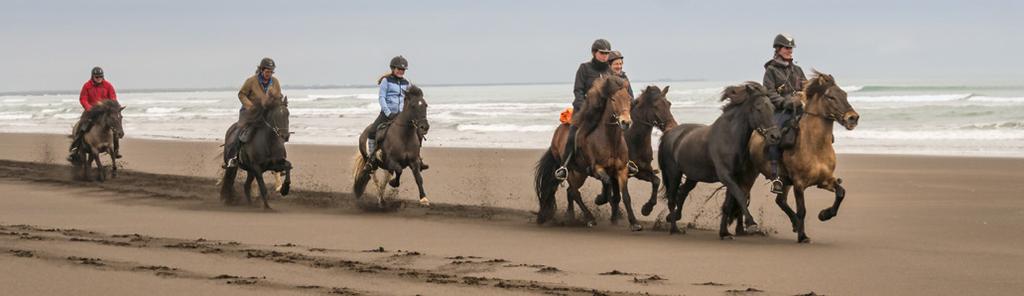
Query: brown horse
[(106, 128), (650, 110), (602, 153), (263, 150), (812, 160), (400, 148)]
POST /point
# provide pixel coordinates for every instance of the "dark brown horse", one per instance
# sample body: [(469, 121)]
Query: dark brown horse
[(717, 153), (812, 160), (602, 153), (263, 151), (400, 148), (650, 110), (106, 127)]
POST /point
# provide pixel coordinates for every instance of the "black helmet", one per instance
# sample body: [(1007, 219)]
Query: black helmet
[(615, 55), (97, 71), (601, 45), (267, 63), (399, 62), (784, 40)]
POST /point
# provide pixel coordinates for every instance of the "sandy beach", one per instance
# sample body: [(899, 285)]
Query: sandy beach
[(911, 225)]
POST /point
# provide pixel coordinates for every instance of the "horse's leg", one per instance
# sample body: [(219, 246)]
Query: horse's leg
[(101, 173), (576, 180), (113, 165), (828, 213), (782, 199), (734, 189), (419, 183), (801, 213), (624, 190), (263, 188), (87, 166), (649, 176), (679, 201), (395, 182), (247, 187), (727, 209), (607, 190)]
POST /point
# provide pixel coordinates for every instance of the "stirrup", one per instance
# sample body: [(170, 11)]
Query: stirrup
[(777, 186), (561, 173), (632, 168)]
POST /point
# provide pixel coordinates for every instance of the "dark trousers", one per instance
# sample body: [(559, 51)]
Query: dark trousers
[(381, 118), (781, 119)]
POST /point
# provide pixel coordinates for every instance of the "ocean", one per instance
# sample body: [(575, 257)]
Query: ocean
[(937, 119)]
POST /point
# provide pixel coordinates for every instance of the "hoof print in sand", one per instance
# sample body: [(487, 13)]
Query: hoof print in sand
[(87, 261), (743, 292), (22, 253), (647, 280), (549, 269)]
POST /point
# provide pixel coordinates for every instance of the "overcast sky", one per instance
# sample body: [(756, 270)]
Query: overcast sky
[(51, 45)]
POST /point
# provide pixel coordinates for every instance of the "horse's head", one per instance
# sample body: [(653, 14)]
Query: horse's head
[(752, 99), (654, 108), (610, 95), (109, 112), (275, 115), (415, 110), (823, 91)]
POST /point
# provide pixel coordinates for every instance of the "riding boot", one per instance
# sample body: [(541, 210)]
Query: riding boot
[(371, 153), (570, 148), (777, 186)]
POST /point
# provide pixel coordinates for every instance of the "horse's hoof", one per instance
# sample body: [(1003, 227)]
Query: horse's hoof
[(600, 200), (671, 217), (752, 229), (636, 227), (725, 237), (285, 189), (424, 202), (591, 223), (825, 215), (647, 209), (803, 240)]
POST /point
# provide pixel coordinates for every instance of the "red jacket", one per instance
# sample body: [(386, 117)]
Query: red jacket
[(93, 94)]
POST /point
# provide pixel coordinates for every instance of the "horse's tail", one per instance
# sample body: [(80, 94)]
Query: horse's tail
[(227, 185), (360, 177), (545, 185)]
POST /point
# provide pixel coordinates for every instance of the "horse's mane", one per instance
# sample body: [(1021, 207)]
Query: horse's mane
[(596, 100), (819, 83), (414, 91), (739, 94), (103, 107), (258, 113)]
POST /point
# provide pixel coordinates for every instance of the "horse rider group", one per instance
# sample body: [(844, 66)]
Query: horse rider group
[(782, 77)]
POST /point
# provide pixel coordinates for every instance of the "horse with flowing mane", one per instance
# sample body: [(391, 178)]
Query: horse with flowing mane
[(401, 142), (602, 153), (106, 128), (717, 153), (262, 150), (812, 159)]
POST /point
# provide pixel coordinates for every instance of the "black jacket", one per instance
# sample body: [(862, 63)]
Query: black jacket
[(783, 78), (585, 76)]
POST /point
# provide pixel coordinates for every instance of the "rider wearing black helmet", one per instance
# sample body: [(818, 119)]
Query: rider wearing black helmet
[(783, 76), (391, 97)]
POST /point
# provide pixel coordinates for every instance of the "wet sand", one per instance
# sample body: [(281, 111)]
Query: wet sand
[(911, 225)]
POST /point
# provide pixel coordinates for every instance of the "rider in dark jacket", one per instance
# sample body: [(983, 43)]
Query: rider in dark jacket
[(783, 76), (586, 74)]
